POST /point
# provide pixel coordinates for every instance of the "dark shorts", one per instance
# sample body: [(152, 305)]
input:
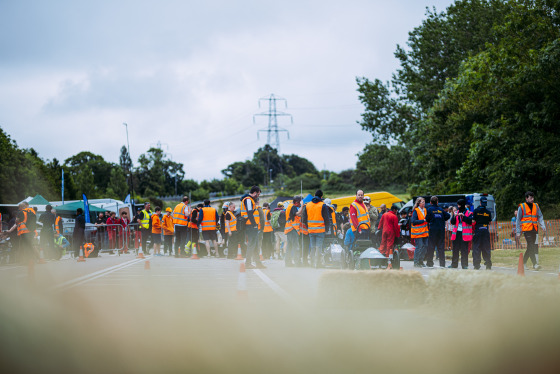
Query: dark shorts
[(209, 235), (156, 238)]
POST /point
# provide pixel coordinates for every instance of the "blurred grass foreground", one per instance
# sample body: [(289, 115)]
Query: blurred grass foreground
[(360, 322)]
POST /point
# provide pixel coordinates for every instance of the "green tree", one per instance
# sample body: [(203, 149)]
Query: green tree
[(247, 173), (381, 166), (99, 169), (22, 173), (394, 110), (156, 174), (299, 165), (215, 185), (270, 161), (187, 185), (501, 114), (310, 182), (335, 183), (85, 182), (117, 187), (231, 186)]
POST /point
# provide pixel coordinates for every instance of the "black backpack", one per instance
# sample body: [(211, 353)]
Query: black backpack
[(31, 221), (241, 222)]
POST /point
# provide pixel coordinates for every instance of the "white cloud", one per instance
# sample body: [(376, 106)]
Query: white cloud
[(189, 74)]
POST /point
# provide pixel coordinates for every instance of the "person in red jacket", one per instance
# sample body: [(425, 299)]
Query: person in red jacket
[(389, 225)]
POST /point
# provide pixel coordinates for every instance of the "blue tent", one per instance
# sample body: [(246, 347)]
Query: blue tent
[(307, 198)]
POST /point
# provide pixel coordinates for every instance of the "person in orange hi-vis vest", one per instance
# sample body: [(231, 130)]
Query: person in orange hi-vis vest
[(292, 230), (250, 214), (167, 225), (267, 242), (208, 221), (529, 217), (156, 231), (316, 216), (193, 226), (419, 231), (181, 221), (231, 232), (24, 233)]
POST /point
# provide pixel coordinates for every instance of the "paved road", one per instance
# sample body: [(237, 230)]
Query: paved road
[(207, 276)]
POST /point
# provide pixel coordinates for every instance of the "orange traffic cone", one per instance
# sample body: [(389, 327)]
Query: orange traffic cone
[(147, 265), (239, 257), (194, 253), (521, 266), (140, 254), (81, 258), (42, 257), (242, 283)]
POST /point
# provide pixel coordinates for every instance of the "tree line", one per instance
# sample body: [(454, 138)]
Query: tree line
[(474, 105), (23, 173)]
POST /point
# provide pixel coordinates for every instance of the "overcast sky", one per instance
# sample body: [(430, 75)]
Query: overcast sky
[(189, 74)]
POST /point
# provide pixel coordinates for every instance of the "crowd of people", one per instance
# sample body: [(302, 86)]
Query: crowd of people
[(294, 233), (30, 235)]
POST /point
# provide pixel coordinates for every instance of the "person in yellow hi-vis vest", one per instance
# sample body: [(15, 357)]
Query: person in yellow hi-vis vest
[(143, 219)]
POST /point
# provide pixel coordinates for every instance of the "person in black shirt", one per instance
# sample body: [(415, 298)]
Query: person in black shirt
[(78, 237), (223, 244), (436, 219), (101, 230), (481, 240), (47, 233), (194, 227)]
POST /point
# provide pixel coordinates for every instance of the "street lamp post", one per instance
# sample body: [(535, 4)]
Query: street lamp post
[(128, 150)]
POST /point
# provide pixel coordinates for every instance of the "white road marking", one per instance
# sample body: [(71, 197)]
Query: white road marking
[(276, 288), (86, 278), (11, 267)]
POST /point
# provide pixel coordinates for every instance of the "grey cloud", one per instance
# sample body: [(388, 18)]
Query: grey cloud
[(118, 89)]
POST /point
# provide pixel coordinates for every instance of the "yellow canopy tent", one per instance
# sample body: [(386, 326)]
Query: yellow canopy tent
[(377, 198)]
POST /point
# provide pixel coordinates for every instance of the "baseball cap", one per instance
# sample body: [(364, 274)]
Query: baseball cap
[(328, 202), (226, 204), (280, 204), (168, 210), (367, 198)]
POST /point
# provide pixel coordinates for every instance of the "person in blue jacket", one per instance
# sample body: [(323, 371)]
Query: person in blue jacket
[(436, 241)]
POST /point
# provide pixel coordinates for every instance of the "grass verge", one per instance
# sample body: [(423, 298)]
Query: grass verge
[(549, 258)]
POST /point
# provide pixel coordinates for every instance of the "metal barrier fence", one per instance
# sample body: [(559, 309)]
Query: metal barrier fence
[(503, 235), (108, 238)]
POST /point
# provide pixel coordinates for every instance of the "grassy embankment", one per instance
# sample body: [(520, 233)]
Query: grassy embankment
[(549, 258)]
